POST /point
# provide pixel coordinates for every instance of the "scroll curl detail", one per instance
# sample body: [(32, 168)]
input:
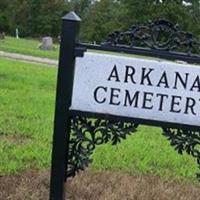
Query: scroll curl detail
[(86, 133), (158, 35), (185, 140)]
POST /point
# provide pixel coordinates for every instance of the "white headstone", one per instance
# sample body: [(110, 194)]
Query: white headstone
[(17, 33)]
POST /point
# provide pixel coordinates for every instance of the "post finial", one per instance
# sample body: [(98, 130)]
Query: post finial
[(71, 16)]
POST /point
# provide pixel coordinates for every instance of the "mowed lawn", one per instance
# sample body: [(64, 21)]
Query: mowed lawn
[(27, 47), (27, 98)]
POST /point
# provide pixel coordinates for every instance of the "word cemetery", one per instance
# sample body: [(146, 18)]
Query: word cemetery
[(151, 77)]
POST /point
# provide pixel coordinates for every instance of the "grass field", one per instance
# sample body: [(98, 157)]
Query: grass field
[(27, 47), (27, 95), (26, 112)]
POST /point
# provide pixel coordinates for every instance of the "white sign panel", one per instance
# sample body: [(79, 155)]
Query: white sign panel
[(137, 87)]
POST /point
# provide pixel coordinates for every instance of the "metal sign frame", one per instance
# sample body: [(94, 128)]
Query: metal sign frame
[(71, 127)]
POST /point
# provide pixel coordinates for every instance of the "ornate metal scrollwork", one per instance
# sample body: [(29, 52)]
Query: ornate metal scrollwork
[(158, 35), (185, 140), (86, 133)]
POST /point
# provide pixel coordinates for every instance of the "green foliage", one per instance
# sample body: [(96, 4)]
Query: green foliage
[(46, 21), (100, 20), (4, 22), (42, 17), (188, 17), (34, 17)]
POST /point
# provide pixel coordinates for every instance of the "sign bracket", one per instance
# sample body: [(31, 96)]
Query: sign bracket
[(79, 51)]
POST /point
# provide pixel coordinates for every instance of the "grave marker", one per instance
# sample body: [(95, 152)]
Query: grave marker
[(47, 43)]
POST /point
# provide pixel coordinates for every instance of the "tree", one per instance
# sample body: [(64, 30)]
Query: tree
[(176, 11), (99, 20), (18, 13), (4, 22), (35, 17), (45, 16)]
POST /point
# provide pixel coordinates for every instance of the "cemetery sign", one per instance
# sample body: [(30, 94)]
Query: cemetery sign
[(153, 79), (137, 87)]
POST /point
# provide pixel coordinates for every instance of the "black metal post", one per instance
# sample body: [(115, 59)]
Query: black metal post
[(70, 26)]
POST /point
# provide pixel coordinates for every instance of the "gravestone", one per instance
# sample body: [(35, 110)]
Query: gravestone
[(47, 43), (17, 33), (2, 36)]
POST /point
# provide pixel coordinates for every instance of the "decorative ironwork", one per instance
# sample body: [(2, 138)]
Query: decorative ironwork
[(185, 140), (158, 35), (86, 133)]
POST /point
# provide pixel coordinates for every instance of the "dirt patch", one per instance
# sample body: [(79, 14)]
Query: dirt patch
[(14, 138), (27, 186), (27, 58), (97, 186), (3, 76)]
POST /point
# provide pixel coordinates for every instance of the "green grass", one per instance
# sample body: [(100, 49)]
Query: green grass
[(27, 93), (27, 47), (26, 115), (146, 151)]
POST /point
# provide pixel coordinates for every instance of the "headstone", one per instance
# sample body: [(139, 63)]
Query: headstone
[(47, 43), (17, 33), (2, 36)]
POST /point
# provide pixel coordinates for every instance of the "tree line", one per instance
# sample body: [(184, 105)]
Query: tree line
[(36, 18)]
